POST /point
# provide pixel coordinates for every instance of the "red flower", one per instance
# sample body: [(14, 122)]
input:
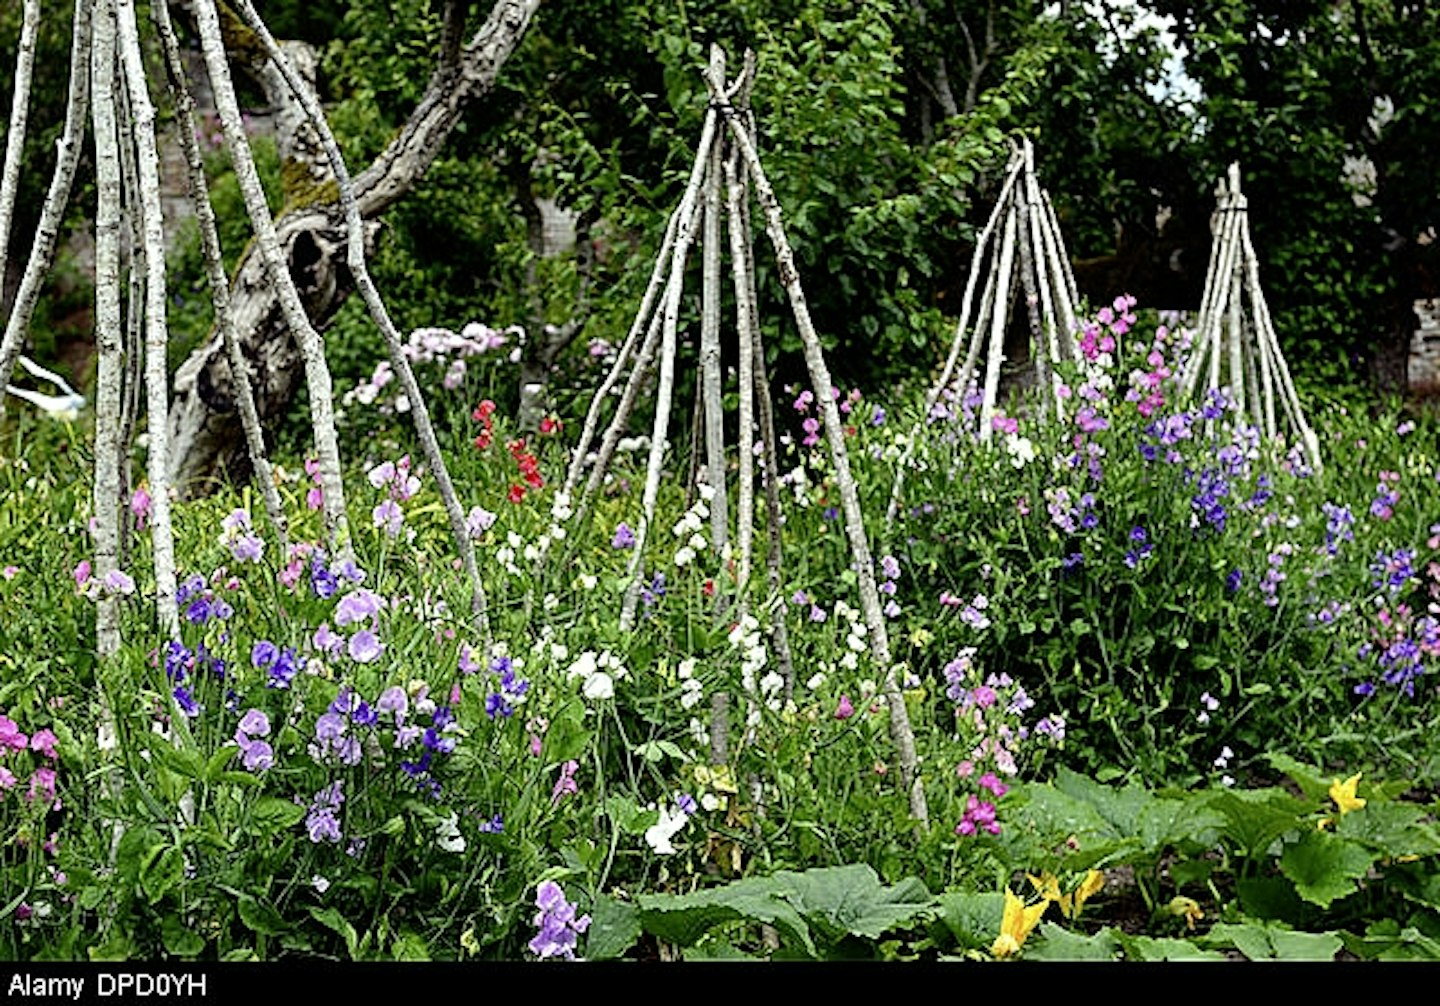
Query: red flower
[(516, 494), (482, 441), (549, 425), (709, 588)]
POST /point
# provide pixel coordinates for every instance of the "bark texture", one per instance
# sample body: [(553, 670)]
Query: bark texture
[(310, 233)]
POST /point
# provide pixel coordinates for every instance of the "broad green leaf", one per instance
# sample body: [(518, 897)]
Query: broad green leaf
[(1260, 942), (1056, 815), (1166, 822), (1120, 808), (1293, 946), (1391, 829), (1309, 778), (1254, 819), (629, 816), (973, 919), (685, 918), (1324, 867), (851, 899), (183, 762), (716, 950), (217, 762), (1386, 941), (614, 928), (1272, 898), (1145, 948), (1052, 942), (1249, 938)]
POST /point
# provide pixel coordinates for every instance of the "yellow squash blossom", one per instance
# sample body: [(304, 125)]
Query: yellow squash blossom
[(1186, 908), (1016, 924), (1343, 793), (1094, 880), (1048, 887)]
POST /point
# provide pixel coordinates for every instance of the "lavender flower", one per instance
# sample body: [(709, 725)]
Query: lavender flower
[(559, 928), (322, 823)]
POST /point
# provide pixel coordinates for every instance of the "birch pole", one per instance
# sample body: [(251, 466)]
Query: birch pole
[(132, 380), (215, 272), (710, 341), (1003, 282), (901, 733), (745, 317), (106, 499), (312, 349), (77, 110), (947, 372), (15, 135), (1245, 337), (355, 259), (157, 382), (683, 237)]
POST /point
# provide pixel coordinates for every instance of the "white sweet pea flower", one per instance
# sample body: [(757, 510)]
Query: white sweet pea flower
[(598, 686), (659, 834), (447, 834)]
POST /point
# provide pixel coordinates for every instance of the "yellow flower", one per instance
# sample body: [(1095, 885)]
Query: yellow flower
[(1048, 887), (1343, 793), (717, 777), (1094, 880), (1186, 908), (1016, 924)]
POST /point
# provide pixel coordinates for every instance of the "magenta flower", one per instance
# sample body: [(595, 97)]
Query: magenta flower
[(44, 742), (140, 506), (845, 709), (11, 737), (42, 785), (565, 784)]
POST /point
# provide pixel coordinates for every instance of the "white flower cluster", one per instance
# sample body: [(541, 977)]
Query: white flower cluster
[(1020, 449), (659, 834), (692, 692), (549, 650), (598, 673), (560, 512), (688, 528), (798, 482), (505, 554), (856, 632), (747, 638)]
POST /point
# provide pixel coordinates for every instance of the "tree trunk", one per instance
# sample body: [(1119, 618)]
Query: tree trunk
[(205, 441)]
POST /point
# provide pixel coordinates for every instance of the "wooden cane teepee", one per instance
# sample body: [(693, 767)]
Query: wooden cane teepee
[(1235, 346), (1028, 258), (727, 153)]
